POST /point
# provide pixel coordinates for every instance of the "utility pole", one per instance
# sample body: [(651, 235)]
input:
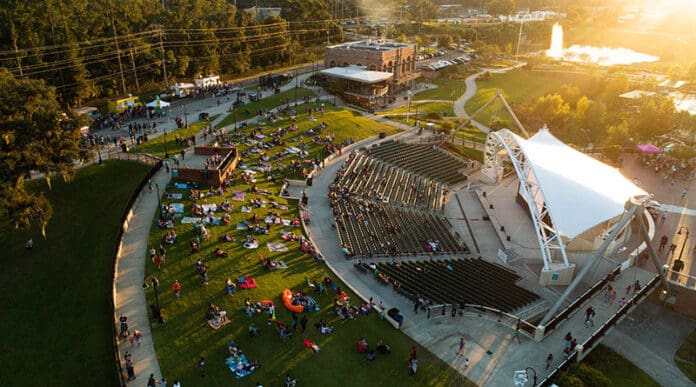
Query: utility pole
[(118, 54), (164, 60), (135, 71)]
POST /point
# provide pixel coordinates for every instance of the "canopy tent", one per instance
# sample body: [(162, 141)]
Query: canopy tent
[(157, 103), (648, 148), (579, 191)]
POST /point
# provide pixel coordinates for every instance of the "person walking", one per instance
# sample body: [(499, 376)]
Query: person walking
[(567, 339), (129, 365), (201, 365), (517, 334), (549, 360), (150, 185), (176, 287), (412, 355), (158, 261), (152, 381), (589, 316), (663, 243), (303, 323), (137, 338), (461, 347), (124, 325), (612, 299), (30, 244), (416, 305), (163, 382), (294, 321), (412, 366), (466, 363)]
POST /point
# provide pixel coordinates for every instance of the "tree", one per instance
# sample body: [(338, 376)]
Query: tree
[(501, 7), (36, 136)]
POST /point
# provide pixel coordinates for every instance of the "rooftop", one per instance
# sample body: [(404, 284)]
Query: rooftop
[(357, 73), (372, 45)]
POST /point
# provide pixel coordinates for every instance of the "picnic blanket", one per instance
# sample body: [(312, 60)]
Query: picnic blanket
[(292, 150), (287, 222), (251, 245), (237, 364), (214, 222), (238, 196), (242, 225), (209, 207), (279, 265), (222, 321), (189, 219), (246, 209), (181, 185), (175, 196), (277, 246), (178, 208), (246, 282), (271, 219)]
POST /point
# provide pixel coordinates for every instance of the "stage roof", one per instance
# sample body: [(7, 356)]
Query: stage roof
[(359, 74), (580, 192)]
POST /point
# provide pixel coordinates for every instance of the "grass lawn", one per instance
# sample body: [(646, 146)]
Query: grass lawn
[(186, 336), (55, 301), (619, 370), (465, 152), (686, 357), (156, 146), (472, 134), (423, 108), (518, 86), (445, 89), (268, 102)]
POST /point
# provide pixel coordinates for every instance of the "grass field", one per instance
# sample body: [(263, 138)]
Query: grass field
[(686, 357), (446, 88), (186, 336), (518, 86), (269, 102), (157, 146), (55, 301), (619, 370), (423, 109)]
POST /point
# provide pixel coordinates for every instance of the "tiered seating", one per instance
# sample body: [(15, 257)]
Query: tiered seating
[(470, 281), (372, 228), (423, 159), (377, 180)]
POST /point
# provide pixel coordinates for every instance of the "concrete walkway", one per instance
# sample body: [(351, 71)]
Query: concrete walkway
[(129, 296)]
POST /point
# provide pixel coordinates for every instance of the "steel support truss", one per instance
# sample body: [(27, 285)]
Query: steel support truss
[(505, 142)]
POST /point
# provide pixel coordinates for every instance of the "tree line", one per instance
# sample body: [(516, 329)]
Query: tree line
[(90, 49)]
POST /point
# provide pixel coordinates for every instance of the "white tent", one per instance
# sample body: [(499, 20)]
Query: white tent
[(579, 191), (162, 104)]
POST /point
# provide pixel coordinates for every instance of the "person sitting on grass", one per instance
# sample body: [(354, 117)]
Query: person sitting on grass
[(371, 355), (362, 345), (324, 329), (170, 237), (290, 381), (253, 331), (383, 348), (230, 287), (194, 246), (220, 253), (226, 238)]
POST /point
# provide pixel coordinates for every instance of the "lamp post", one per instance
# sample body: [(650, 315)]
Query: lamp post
[(166, 150), (408, 115), (679, 264), (159, 202), (185, 116), (534, 375)]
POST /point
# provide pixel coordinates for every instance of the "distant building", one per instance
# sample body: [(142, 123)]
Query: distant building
[(259, 14), (396, 58), (360, 87)]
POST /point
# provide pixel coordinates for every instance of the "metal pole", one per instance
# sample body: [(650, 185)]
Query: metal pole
[(686, 239), (166, 151), (185, 117), (627, 216)]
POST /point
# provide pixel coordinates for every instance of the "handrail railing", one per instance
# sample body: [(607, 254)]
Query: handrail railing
[(577, 304), (588, 344), (125, 215), (502, 317), (562, 366)]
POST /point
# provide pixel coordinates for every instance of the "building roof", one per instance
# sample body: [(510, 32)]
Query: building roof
[(372, 45), (673, 84), (358, 74), (579, 191), (635, 94)]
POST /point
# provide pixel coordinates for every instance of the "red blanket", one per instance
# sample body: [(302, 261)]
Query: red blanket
[(246, 282)]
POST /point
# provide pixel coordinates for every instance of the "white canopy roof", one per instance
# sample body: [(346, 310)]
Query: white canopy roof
[(635, 94), (162, 104), (580, 192), (357, 73)]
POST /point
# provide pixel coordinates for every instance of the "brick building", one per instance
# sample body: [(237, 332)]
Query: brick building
[(375, 55)]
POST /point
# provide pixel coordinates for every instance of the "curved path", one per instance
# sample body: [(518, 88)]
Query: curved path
[(460, 103)]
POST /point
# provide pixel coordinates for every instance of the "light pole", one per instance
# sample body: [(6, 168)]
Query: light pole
[(166, 150), (679, 264), (185, 116), (408, 114)]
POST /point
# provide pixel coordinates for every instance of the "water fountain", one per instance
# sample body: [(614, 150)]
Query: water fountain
[(603, 56)]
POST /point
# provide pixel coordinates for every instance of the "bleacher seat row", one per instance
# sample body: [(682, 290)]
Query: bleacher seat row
[(455, 281)]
